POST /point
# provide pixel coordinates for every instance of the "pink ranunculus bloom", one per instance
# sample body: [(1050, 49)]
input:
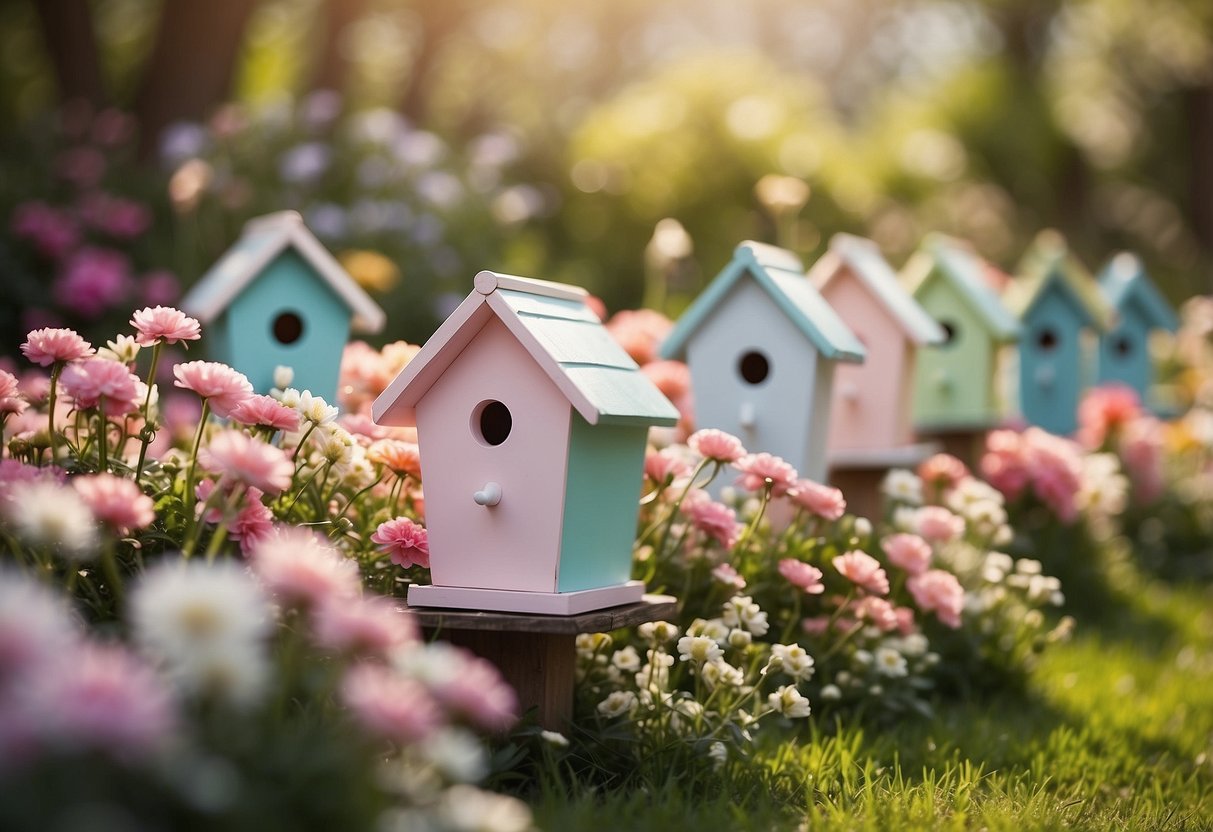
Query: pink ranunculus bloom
[(400, 457), (88, 382), (905, 620), (388, 705), (727, 575), (237, 457), (52, 232), (640, 332), (372, 625), (1055, 465), (825, 501), (115, 501), (864, 571), (1104, 411), (477, 692), (908, 551), (663, 467), (253, 524), (816, 625), (942, 472), (938, 525), (164, 324), (714, 519), (405, 541), (939, 592), (299, 567), (266, 412), (1004, 464), (672, 378), (759, 469), (1141, 449), (47, 346), (222, 386), (711, 443), (11, 400), (362, 427), (802, 575), (93, 281), (877, 610)]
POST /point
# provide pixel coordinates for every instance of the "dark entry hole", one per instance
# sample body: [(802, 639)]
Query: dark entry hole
[(288, 328), (1047, 339), (949, 332), (494, 422), (754, 367), (1122, 345)]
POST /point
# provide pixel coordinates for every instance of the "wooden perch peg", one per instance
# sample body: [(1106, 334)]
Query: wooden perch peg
[(490, 495)]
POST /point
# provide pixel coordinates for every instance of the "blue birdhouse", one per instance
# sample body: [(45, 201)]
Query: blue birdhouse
[(1061, 310), (761, 343), (279, 298), (1139, 310)]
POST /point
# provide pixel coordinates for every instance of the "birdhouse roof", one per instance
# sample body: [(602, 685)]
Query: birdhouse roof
[(263, 239), (1046, 264), (868, 265), (1125, 285), (781, 275), (559, 331), (955, 262)]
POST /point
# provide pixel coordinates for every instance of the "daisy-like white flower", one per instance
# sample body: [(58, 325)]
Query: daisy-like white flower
[(741, 611), (790, 702), (890, 663), (719, 672), (44, 513), (658, 632), (792, 660), (903, 486), (618, 703), (698, 649), (316, 410), (713, 628), (164, 324), (49, 346), (626, 659), (124, 349)]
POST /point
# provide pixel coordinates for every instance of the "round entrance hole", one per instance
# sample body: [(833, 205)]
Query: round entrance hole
[(288, 328), (492, 422), (754, 367), (1122, 345), (1047, 339), (950, 331)]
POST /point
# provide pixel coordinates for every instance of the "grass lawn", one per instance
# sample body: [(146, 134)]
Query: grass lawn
[(1114, 731)]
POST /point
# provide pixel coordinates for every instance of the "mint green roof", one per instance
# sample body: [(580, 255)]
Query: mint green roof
[(1048, 262), (956, 263), (1124, 283), (781, 275)]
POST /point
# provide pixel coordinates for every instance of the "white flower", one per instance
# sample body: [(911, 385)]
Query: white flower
[(124, 349), (739, 638), (290, 397), (915, 644), (337, 445), (283, 376), (792, 660), (626, 659), (46, 514), (905, 519), (862, 527), (1027, 566), (996, 567), (789, 702), (617, 703), (720, 672), (315, 409), (465, 808), (658, 632), (831, 693), (713, 628), (718, 752), (457, 753), (698, 649), (36, 624), (554, 739), (862, 658), (903, 486), (740, 610), (890, 663), (656, 672)]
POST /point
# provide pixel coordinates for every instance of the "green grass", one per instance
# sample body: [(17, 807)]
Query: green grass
[(1114, 731)]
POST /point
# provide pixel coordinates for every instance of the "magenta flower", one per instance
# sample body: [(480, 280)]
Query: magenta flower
[(406, 542), (164, 324), (802, 575), (47, 346), (115, 501), (219, 384), (266, 412), (711, 443), (118, 217), (93, 281), (908, 551), (939, 592), (759, 469), (372, 626), (236, 456), (52, 232), (714, 519), (388, 705), (824, 501), (299, 567), (864, 571), (87, 382)]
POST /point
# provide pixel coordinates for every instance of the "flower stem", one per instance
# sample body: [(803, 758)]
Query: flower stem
[(188, 496), (103, 435), (50, 410), (148, 433)]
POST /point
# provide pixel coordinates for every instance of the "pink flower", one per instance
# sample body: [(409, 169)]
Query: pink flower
[(825, 501), (1004, 464), (908, 551), (938, 525), (939, 592), (711, 443), (88, 382), (942, 472), (52, 232), (266, 412), (864, 571), (218, 383), (164, 324), (714, 519), (159, 288), (11, 400), (1104, 411), (298, 567), (1056, 469), (370, 626), (253, 524), (82, 166), (672, 378), (120, 218), (477, 692), (1141, 449), (36, 626), (115, 501), (94, 281), (877, 610), (640, 332), (399, 457), (757, 470), (663, 467), (388, 705), (905, 620), (406, 542), (727, 575), (816, 625), (802, 575), (236, 456), (47, 346)]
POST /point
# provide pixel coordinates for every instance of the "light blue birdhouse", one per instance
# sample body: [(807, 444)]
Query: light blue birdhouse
[(279, 298), (1139, 310), (1062, 312), (761, 344)]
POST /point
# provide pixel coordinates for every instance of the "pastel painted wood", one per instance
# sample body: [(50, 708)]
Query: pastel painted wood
[(1061, 309), (532, 424), (956, 381), (1139, 311), (277, 297), (871, 402), (761, 344)]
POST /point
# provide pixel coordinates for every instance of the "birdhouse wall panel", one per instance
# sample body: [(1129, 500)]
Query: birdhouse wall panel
[(953, 382), (871, 400), (606, 467), (773, 411), (1124, 357), (514, 544), (815, 465), (288, 316), (1051, 371)]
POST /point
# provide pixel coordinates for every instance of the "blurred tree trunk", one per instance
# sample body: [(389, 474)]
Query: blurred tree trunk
[(438, 22), (191, 64), (333, 66), (71, 45), (1199, 104)]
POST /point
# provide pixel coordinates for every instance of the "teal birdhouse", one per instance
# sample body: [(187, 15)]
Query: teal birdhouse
[(956, 381), (279, 298), (1139, 310), (1062, 312), (761, 344)]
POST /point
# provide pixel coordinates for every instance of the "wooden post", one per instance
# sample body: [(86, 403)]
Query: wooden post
[(859, 473)]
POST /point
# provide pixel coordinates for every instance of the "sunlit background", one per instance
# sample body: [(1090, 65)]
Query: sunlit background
[(625, 146)]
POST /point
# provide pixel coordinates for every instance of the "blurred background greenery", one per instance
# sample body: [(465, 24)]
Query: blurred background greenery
[(598, 143)]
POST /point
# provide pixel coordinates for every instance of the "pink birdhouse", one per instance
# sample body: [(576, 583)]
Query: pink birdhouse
[(532, 424)]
